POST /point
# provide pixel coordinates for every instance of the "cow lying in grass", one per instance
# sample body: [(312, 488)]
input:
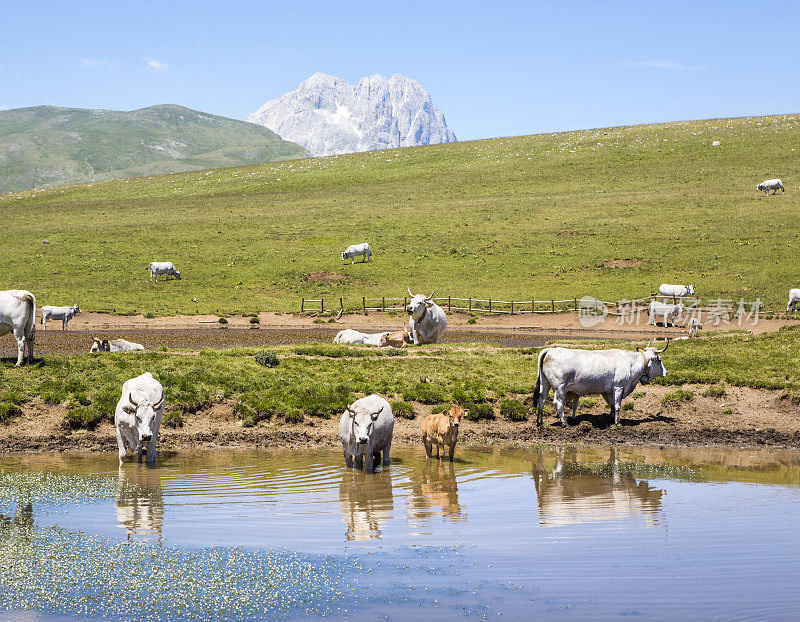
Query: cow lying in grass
[(441, 430), (356, 338), (114, 345)]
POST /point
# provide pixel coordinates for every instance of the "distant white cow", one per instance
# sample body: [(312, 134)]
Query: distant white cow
[(18, 315), (675, 291), (65, 314), (138, 416), (357, 249), (794, 298), (163, 267), (356, 338), (667, 313), (114, 345), (770, 184), (694, 326), (428, 320)]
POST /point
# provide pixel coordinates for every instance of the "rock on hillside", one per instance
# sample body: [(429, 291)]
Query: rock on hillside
[(51, 146), (329, 116)]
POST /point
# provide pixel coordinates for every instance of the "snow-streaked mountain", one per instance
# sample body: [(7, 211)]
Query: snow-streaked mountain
[(329, 116)]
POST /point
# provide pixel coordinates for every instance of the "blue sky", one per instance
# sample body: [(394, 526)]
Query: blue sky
[(493, 68)]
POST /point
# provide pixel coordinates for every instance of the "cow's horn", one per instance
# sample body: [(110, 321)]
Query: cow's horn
[(409, 291), (339, 315), (377, 412), (130, 399), (432, 293), (160, 401), (350, 410), (664, 349), (95, 339)]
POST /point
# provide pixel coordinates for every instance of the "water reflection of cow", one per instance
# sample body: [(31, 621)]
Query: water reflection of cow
[(571, 494), (21, 521), (434, 486), (366, 501), (139, 501)]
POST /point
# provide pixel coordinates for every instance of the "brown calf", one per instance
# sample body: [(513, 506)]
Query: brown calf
[(441, 430), (395, 339)]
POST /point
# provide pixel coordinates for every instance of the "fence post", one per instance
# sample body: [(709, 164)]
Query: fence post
[(512, 308), (553, 306), (533, 309), (405, 302), (575, 300), (490, 305), (341, 305), (448, 304), (383, 303), (470, 305), (302, 305), (364, 304), (322, 305)]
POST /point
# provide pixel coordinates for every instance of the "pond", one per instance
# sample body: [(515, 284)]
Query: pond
[(563, 532)]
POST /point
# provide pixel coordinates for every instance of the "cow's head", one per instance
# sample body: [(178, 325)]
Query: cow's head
[(145, 415), (177, 274), (690, 290), (760, 187), (419, 304), (653, 367), (76, 309), (362, 421), (100, 345), (344, 255), (455, 414)]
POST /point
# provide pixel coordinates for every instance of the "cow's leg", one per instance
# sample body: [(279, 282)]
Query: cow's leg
[(558, 402), (19, 335), (64, 324), (30, 338), (426, 440), (151, 451), (440, 448), (44, 322), (368, 457), (617, 404), (575, 400), (452, 451), (121, 444), (385, 461), (359, 461), (544, 389), (348, 457)]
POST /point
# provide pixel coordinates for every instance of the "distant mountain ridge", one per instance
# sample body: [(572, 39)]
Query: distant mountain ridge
[(49, 145), (329, 116)]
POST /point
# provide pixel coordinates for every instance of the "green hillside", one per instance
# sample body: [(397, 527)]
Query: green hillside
[(49, 146), (609, 213)]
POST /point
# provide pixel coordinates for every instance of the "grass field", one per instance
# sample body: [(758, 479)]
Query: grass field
[(608, 213), (318, 380)]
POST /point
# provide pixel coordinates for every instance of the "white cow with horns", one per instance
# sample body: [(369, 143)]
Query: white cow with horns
[(357, 338), (366, 431), (355, 250), (665, 290), (613, 374), (18, 316), (162, 267), (65, 314), (138, 416), (770, 184), (665, 312), (113, 345), (428, 320)]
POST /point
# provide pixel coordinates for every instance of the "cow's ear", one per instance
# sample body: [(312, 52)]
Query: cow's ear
[(429, 303), (128, 408), (375, 415)]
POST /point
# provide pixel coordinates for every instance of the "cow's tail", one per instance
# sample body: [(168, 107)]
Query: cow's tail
[(538, 388), (30, 321)]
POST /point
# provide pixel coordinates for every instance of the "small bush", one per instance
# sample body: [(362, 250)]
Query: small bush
[(424, 393), (471, 392), (8, 411), (478, 412), (172, 419), (677, 397), (403, 409), (150, 315), (222, 320), (82, 418), (627, 406), (472, 320), (255, 320), (715, 391), (267, 358), (318, 321), (248, 422), (293, 416), (513, 410), (728, 411)]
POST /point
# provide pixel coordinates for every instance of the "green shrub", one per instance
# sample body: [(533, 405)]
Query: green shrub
[(715, 391), (472, 320), (172, 419), (425, 393), (470, 392), (255, 320), (249, 421), (728, 411), (677, 397), (8, 411), (513, 410), (627, 406), (150, 315), (222, 320), (267, 358), (82, 418), (477, 412), (318, 321), (320, 400), (293, 416), (403, 409)]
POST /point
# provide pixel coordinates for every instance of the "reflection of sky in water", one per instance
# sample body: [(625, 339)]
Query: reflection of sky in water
[(560, 533)]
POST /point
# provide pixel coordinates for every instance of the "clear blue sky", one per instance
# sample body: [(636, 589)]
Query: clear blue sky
[(494, 68)]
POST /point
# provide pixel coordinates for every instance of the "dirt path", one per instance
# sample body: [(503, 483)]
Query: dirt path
[(742, 417)]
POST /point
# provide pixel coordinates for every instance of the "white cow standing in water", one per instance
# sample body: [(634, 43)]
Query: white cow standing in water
[(138, 416), (365, 430)]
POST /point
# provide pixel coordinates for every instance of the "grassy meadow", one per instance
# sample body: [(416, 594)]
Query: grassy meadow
[(609, 213), (318, 380)]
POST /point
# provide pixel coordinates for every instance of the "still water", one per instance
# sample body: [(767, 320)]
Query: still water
[(561, 533)]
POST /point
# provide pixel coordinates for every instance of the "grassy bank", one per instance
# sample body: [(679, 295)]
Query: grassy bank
[(318, 380), (610, 213)]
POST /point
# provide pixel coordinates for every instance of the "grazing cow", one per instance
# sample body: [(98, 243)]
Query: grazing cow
[(357, 249), (613, 374), (440, 430), (18, 315), (162, 267), (65, 314), (770, 184), (356, 338), (666, 290), (666, 312), (694, 326), (428, 320), (395, 339), (794, 298), (114, 345), (138, 416), (366, 432)]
